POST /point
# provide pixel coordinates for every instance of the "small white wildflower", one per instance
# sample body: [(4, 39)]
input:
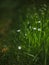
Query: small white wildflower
[(18, 30), (39, 21), (25, 34), (34, 28), (39, 29), (19, 47)]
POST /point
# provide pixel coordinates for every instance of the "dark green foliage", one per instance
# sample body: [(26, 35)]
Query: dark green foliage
[(24, 32)]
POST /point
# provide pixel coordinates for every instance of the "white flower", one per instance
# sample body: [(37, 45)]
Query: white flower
[(39, 21), (25, 34), (19, 47), (39, 29), (34, 28), (18, 30)]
